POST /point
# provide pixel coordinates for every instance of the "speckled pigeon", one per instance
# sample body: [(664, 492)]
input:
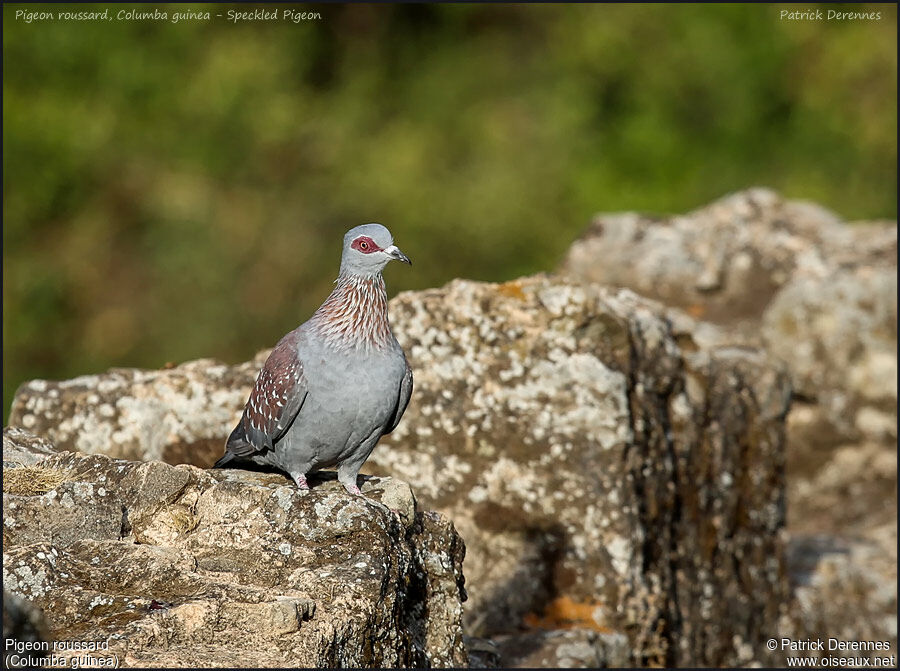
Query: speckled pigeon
[(336, 384)]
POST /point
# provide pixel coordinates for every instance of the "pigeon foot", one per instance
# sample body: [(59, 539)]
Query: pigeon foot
[(300, 479)]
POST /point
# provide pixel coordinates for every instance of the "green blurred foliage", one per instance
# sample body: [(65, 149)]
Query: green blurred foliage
[(180, 191)]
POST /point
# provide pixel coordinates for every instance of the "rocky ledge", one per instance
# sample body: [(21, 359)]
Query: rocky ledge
[(610, 475), (177, 566), (820, 294), (622, 471)]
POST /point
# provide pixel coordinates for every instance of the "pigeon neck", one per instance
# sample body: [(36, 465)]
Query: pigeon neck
[(355, 315)]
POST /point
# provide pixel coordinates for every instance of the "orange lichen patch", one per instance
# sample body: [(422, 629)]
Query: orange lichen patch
[(566, 613), (512, 289), (696, 310)]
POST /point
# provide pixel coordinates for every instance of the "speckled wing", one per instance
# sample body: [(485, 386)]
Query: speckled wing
[(277, 397), (406, 386)]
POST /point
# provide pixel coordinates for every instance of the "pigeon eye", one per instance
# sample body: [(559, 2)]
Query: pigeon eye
[(363, 245)]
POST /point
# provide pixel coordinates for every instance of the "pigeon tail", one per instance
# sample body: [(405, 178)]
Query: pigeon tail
[(224, 460), (236, 446)]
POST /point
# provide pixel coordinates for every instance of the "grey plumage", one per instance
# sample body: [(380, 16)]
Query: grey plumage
[(337, 383)]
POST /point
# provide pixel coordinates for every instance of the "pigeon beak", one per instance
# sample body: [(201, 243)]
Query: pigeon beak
[(396, 254)]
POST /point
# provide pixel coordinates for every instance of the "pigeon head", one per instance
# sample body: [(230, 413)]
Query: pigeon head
[(368, 249)]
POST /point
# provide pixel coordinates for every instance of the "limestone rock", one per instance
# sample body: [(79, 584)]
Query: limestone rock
[(815, 291), (821, 295), (175, 414), (21, 448), (725, 262), (176, 566), (584, 447), (847, 588), (566, 649), (483, 653), (585, 444), (23, 625)]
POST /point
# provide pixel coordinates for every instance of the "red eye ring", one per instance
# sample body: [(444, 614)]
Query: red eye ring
[(365, 245)]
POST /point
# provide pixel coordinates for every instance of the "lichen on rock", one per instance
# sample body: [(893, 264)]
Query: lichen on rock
[(582, 441), (176, 566), (595, 447), (820, 294)]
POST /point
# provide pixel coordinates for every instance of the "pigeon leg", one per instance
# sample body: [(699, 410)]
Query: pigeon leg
[(347, 476), (349, 468), (300, 479)]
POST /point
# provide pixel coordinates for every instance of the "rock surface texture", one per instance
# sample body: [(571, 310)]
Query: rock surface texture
[(608, 473), (177, 566), (24, 623), (175, 415), (621, 470), (821, 295)]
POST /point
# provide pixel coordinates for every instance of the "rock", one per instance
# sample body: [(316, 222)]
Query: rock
[(21, 448), (566, 649), (585, 448), (176, 566), (585, 445), (787, 275), (821, 295), (856, 488), (816, 292), (175, 415), (839, 334), (726, 262), (846, 589), (24, 631), (843, 550), (483, 653)]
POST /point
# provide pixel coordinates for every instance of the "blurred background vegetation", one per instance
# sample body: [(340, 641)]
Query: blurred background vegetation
[(180, 191)]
